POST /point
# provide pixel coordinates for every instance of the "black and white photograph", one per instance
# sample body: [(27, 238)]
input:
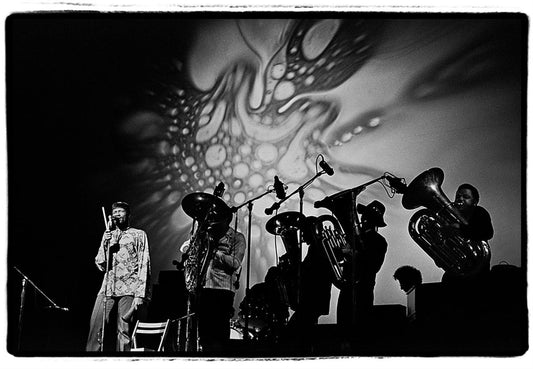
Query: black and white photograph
[(310, 184)]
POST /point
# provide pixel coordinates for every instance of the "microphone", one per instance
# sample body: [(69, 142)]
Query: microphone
[(111, 222), (397, 184), (279, 187), (219, 190), (271, 209), (329, 170)]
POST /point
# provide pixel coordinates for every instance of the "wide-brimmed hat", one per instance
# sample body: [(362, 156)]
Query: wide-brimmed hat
[(373, 212)]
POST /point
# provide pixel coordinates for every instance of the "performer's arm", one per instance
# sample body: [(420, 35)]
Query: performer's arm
[(143, 291), (379, 250), (480, 226), (231, 259), (101, 256)]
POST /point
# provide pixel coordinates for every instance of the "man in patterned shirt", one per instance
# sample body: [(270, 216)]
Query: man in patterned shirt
[(126, 287)]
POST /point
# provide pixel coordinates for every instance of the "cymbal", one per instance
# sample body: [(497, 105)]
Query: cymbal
[(198, 204), (284, 221)]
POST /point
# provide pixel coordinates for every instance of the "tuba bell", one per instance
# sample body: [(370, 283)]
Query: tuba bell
[(213, 216), (286, 225), (429, 227)]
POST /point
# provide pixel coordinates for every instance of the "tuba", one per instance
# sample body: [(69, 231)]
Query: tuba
[(214, 214), (213, 226), (286, 225), (338, 242), (198, 258), (333, 241), (428, 227)]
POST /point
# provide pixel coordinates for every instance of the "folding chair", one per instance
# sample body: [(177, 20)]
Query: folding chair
[(142, 328)]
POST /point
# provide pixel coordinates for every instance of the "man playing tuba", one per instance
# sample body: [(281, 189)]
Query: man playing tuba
[(369, 259), (478, 226), (316, 281), (215, 300)]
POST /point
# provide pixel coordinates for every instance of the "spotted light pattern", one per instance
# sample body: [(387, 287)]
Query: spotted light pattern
[(276, 93), (204, 137)]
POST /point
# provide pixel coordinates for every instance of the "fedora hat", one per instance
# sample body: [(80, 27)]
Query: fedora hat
[(373, 212)]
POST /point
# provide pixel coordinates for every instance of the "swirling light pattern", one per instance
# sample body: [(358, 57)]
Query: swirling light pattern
[(285, 91)]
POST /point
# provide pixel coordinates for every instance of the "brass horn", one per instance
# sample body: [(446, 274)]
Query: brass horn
[(329, 234), (430, 227), (286, 225)]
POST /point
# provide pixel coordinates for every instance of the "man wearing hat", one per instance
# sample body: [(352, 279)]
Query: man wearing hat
[(369, 257), (217, 292), (126, 288), (315, 286)]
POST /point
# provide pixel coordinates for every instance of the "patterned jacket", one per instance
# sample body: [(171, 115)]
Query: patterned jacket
[(129, 270)]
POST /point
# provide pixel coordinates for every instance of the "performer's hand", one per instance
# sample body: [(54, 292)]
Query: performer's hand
[(224, 249), (347, 251), (452, 229), (454, 225), (107, 236), (185, 246), (137, 301)]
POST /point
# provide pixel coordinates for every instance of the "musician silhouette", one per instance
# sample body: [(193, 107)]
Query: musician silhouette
[(369, 259), (479, 228), (315, 280)]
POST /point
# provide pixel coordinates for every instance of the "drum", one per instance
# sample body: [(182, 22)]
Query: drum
[(258, 316), (237, 331)]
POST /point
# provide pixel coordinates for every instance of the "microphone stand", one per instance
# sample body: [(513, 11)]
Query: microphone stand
[(355, 237), (107, 262), (25, 279), (234, 209), (276, 205)]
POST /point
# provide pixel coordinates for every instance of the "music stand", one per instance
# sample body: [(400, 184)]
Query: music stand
[(23, 300)]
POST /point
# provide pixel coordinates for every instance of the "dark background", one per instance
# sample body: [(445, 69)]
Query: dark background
[(70, 79)]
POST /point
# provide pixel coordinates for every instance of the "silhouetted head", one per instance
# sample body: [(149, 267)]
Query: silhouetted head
[(409, 277), (372, 213)]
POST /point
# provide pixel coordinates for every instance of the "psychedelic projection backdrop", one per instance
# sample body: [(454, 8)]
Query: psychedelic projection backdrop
[(255, 98)]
